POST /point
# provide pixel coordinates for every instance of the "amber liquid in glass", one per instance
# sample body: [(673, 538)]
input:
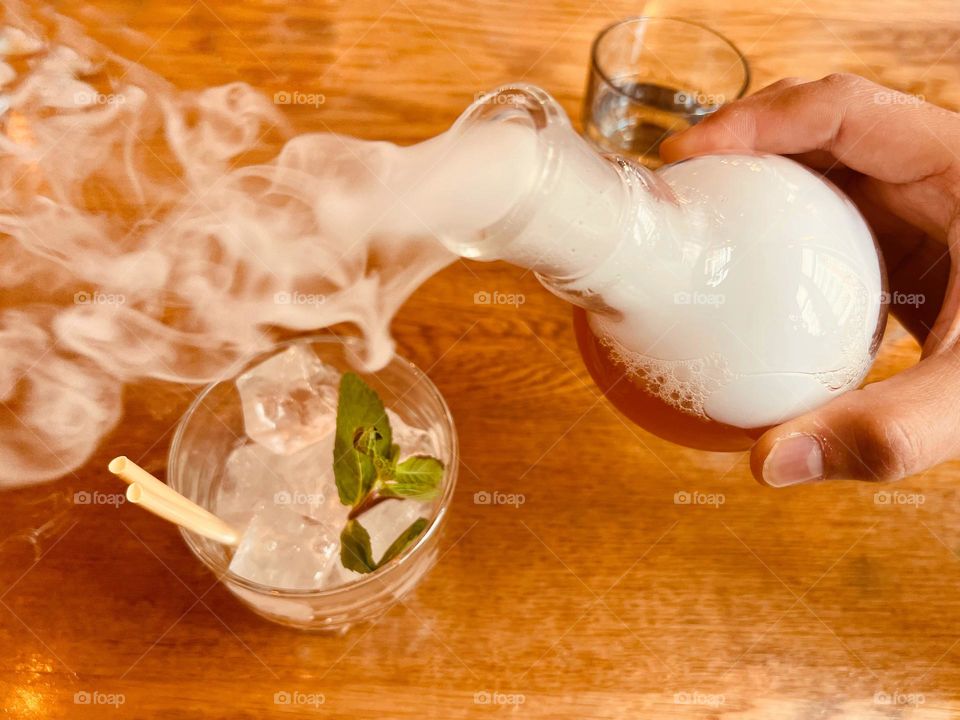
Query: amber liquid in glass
[(631, 397)]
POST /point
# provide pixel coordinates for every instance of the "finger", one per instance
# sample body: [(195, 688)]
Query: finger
[(781, 84), (847, 116), (918, 268), (945, 333), (918, 287), (885, 431), (819, 160), (926, 267)]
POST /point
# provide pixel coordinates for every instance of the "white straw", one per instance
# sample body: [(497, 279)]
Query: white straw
[(162, 500), (211, 527)]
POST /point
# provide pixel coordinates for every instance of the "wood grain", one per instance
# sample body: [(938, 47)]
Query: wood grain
[(599, 597)]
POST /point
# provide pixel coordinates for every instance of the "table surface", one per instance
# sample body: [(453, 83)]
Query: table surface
[(599, 597)]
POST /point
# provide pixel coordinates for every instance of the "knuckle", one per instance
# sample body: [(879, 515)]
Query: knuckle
[(885, 448), (776, 91), (843, 81), (787, 82)]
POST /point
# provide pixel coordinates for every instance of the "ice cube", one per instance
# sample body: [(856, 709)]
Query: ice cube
[(250, 478), (303, 481), (290, 400), (310, 482), (386, 521), (412, 440), (285, 549)]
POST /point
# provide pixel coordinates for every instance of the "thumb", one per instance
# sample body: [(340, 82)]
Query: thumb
[(884, 431)]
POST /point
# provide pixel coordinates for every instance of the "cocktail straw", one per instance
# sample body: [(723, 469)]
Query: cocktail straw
[(128, 471), (210, 527), (159, 498)]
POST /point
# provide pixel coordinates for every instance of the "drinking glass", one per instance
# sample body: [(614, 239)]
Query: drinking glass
[(653, 76), (213, 426)]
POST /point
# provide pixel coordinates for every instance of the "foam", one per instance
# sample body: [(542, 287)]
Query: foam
[(768, 279)]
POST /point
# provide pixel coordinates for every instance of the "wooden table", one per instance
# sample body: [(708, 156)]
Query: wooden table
[(599, 597)]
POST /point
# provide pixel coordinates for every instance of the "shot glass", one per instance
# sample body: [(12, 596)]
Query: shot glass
[(651, 77), (213, 427)]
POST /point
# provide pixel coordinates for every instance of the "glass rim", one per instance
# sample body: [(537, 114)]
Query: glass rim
[(667, 20), (377, 576)]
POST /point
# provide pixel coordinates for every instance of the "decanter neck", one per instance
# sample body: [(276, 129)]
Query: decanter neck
[(576, 205)]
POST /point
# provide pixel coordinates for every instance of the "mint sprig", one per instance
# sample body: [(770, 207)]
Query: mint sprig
[(356, 552), (363, 433), (405, 538), (367, 471), (417, 478)]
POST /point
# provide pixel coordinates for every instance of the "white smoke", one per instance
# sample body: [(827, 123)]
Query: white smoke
[(137, 241)]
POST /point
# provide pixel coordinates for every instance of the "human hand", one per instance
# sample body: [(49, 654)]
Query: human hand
[(897, 158)]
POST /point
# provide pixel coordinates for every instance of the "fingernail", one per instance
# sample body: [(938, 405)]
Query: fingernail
[(795, 459)]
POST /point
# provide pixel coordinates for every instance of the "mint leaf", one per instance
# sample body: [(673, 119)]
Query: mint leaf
[(407, 538), (417, 478), (355, 551), (363, 433), (366, 471)]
